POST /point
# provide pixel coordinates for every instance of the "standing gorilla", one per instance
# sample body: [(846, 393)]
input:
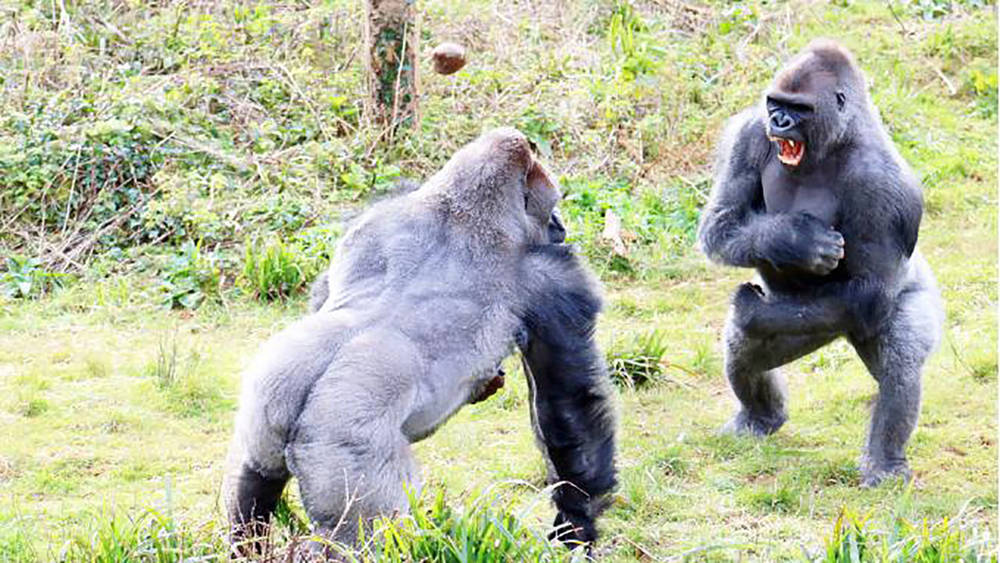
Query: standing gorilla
[(811, 193), (429, 291)]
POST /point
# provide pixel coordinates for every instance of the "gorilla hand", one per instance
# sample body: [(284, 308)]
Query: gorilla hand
[(489, 387), (747, 302), (801, 241)]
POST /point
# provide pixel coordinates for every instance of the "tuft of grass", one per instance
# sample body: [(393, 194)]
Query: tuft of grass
[(274, 270), (164, 369), (150, 536), (637, 363), (771, 498), (190, 391), (29, 401), (485, 529), (857, 539)]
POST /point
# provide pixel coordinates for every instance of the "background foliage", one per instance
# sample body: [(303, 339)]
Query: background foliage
[(172, 174)]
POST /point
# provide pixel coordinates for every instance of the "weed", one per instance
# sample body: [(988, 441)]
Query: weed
[(638, 363), (274, 270), (26, 278), (190, 278)]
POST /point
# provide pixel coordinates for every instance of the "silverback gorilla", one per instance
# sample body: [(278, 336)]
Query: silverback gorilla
[(811, 193), (428, 292)]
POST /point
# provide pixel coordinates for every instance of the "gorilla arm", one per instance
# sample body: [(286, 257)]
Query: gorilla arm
[(885, 214), (574, 416), (735, 229)]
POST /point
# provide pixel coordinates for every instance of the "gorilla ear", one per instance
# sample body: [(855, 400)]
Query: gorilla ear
[(841, 100)]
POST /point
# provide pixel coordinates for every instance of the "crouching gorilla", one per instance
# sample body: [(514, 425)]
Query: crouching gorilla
[(811, 193), (428, 292)]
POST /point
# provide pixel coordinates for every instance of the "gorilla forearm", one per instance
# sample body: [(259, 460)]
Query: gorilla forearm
[(858, 307), (319, 291), (727, 236)]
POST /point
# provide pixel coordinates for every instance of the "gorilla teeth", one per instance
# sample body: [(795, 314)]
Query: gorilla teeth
[(790, 152)]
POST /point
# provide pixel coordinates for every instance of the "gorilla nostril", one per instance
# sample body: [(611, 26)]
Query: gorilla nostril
[(781, 122)]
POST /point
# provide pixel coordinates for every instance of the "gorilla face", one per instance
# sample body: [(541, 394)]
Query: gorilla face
[(499, 172), (788, 118), (557, 232), (807, 106)]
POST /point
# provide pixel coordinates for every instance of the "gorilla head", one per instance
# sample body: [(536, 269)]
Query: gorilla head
[(496, 184), (813, 104)]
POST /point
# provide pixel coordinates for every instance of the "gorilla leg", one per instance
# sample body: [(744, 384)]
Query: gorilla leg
[(751, 368), (353, 478), (347, 449), (895, 358)]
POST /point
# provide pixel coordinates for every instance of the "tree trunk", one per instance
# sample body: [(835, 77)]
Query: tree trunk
[(390, 48)]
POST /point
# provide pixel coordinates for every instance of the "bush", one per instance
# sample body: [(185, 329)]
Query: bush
[(25, 278), (190, 277)]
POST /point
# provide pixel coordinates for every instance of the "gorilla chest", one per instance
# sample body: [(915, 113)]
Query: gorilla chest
[(813, 193)]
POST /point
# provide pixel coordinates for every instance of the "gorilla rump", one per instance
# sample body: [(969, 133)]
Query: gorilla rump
[(811, 193), (428, 292)]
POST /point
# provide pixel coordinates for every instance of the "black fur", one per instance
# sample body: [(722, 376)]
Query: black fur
[(256, 499), (575, 420)]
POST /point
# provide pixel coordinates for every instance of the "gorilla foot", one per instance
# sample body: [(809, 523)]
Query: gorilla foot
[(874, 474), (745, 423)]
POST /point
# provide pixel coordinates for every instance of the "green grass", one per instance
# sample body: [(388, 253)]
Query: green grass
[(204, 126)]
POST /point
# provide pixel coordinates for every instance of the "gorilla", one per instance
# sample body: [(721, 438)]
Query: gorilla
[(429, 291), (812, 194), (541, 230)]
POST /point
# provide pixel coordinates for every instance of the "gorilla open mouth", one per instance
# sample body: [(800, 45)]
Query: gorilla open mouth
[(790, 152)]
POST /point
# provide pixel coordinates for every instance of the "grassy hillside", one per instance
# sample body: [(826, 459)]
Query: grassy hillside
[(172, 175)]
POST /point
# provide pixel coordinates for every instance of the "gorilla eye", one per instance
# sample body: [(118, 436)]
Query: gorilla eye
[(841, 100)]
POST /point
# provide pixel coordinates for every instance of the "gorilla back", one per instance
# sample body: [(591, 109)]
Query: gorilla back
[(811, 193), (425, 296)]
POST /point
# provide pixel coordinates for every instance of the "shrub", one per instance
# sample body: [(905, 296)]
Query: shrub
[(25, 278), (190, 277)]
